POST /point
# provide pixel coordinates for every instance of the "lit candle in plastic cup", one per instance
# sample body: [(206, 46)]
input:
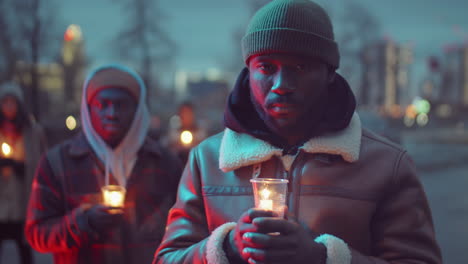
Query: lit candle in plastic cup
[(270, 194), (113, 196), (6, 149)]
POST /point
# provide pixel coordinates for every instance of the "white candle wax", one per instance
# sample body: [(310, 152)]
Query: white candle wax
[(115, 199), (266, 205)]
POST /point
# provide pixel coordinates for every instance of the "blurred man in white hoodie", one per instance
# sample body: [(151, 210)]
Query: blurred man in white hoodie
[(66, 214)]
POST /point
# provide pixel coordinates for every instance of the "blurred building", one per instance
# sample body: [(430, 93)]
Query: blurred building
[(50, 83), (454, 86), (59, 84), (207, 92), (386, 77), (446, 87), (61, 80), (429, 87), (73, 61)]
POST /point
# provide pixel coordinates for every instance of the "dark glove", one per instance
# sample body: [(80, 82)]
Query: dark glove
[(101, 218), (19, 169), (17, 166), (4, 162), (277, 240), (234, 244)]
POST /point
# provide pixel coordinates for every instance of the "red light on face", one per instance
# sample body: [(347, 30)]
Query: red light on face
[(69, 35)]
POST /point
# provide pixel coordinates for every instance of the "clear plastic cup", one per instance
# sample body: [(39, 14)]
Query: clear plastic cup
[(113, 196), (270, 194)]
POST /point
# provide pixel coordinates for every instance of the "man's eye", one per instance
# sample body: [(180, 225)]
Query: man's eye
[(302, 67), (266, 68), (98, 104)]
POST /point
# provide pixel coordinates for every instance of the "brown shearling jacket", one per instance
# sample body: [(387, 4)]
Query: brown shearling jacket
[(353, 185)]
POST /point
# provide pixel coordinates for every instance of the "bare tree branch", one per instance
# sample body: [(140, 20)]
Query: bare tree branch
[(358, 28), (144, 41), (27, 30)]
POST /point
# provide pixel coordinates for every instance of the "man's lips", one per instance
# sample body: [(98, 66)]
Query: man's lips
[(111, 127), (282, 108)]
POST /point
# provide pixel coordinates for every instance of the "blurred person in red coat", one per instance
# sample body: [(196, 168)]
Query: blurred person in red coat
[(21, 143), (185, 132)]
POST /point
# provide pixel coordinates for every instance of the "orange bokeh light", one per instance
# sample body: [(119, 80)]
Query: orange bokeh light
[(69, 35)]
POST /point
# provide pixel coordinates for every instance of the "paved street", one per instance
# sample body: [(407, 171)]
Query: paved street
[(10, 255), (444, 173), (448, 196), (443, 168)]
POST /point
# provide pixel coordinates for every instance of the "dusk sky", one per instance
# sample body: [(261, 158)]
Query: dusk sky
[(203, 29)]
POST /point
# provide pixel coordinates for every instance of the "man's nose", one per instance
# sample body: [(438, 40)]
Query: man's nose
[(284, 82), (111, 111)]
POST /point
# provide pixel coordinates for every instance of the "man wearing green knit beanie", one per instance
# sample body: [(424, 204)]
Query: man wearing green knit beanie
[(352, 196)]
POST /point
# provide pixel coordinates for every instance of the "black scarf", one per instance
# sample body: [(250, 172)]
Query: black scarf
[(241, 116)]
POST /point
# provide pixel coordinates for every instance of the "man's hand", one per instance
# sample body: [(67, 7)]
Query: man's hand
[(276, 240), (7, 162), (235, 244), (102, 218)]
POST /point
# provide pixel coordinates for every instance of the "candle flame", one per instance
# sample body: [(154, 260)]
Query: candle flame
[(115, 199), (6, 149), (265, 193), (113, 196), (186, 137)]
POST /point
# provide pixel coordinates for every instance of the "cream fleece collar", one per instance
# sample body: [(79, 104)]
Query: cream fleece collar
[(239, 150)]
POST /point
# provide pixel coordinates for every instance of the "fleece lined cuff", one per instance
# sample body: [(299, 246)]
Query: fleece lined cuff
[(214, 247), (240, 150), (337, 250)]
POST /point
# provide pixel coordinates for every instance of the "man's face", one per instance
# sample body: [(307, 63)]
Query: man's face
[(287, 89), (9, 107), (112, 111), (186, 116)]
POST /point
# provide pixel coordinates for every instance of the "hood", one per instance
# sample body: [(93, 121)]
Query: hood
[(119, 160), (13, 89), (241, 116)]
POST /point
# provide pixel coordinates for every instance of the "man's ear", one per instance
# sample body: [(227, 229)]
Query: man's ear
[(331, 76)]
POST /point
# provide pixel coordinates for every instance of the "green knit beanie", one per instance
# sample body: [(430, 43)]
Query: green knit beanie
[(292, 26)]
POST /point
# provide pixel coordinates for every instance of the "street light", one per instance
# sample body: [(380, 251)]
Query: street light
[(186, 137), (422, 119), (70, 122), (422, 106)]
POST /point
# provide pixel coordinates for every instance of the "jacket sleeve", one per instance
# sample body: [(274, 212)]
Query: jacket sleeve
[(49, 227), (187, 236), (402, 228)]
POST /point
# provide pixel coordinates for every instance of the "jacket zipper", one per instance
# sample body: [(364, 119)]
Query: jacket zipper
[(294, 186)]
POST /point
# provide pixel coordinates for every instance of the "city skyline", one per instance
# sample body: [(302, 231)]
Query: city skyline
[(203, 30)]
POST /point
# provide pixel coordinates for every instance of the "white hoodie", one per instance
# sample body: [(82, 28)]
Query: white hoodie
[(118, 161)]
